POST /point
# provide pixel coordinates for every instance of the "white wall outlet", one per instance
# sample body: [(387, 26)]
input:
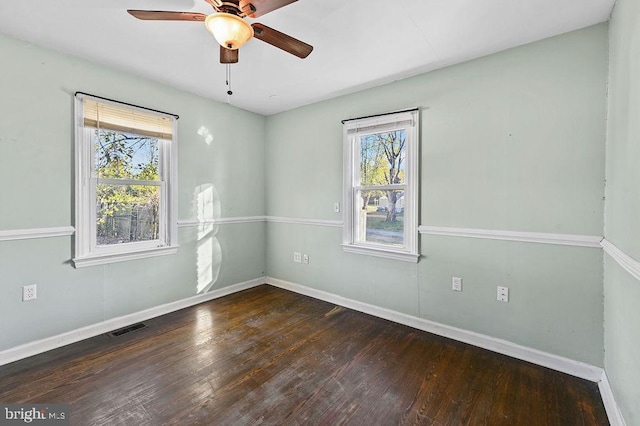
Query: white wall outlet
[(305, 258), (336, 207), (297, 257), (456, 283), (503, 294), (29, 292)]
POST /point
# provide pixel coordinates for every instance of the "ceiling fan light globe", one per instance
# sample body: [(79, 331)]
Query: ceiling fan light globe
[(229, 30)]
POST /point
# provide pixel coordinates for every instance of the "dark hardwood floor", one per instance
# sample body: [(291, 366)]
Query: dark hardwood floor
[(268, 356)]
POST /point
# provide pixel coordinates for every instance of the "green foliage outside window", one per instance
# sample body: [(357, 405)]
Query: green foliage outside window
[(126, 212)]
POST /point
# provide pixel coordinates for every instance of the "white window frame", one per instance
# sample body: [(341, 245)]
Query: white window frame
[(87, 251), (352, 130)]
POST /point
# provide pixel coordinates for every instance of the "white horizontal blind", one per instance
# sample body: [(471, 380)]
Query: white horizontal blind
[(379, 128), (102, 115)]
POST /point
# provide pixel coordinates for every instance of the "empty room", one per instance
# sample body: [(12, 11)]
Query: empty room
[(320, 212)]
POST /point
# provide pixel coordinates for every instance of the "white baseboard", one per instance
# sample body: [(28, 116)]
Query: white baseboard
[(610, 404), (554, 362), (54, 342)]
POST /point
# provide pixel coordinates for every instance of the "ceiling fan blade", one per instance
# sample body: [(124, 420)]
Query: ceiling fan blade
[(159, 15), (228, 56), (256, 8), (281, 40)]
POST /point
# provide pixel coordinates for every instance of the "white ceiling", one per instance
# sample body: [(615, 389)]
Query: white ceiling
[(357, 43)]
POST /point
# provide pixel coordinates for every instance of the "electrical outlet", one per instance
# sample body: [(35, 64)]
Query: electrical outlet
[(456, 284), (305, 258), (503, 294), (29, 292), (297, 257)]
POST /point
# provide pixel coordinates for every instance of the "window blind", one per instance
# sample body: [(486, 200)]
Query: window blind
[(125, 119), (379, 128)]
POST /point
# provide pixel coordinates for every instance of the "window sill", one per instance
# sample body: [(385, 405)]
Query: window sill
[(103, 259), (376, 252)]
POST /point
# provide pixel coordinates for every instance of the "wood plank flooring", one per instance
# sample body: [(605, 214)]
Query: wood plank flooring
[(269, 356)]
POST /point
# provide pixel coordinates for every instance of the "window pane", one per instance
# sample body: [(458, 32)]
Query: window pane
[(382, 158), (127, 213), (125, 155), (381, 217)]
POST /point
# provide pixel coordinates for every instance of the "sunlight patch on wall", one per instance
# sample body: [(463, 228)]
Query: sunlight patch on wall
[(207, 203), (206, 135), (209, 251)]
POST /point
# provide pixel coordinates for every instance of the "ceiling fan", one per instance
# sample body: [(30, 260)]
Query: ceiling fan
[(230, 28)]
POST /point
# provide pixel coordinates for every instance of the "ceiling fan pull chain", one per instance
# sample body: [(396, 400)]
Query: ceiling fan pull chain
[(229, 91)]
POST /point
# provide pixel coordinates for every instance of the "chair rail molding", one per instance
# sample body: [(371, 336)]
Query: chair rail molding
[(627, 262), (220, 221), (302, 221), (592, 241), (32, 233)]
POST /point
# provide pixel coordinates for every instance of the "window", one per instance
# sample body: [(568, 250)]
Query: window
[(125, 182), (381, 186)]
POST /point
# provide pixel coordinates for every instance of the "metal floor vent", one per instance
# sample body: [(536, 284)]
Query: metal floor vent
[(128, 329)]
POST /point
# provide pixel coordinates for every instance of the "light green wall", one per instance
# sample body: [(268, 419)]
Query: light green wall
[(512, 141), (622, 219), (36, 168)]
